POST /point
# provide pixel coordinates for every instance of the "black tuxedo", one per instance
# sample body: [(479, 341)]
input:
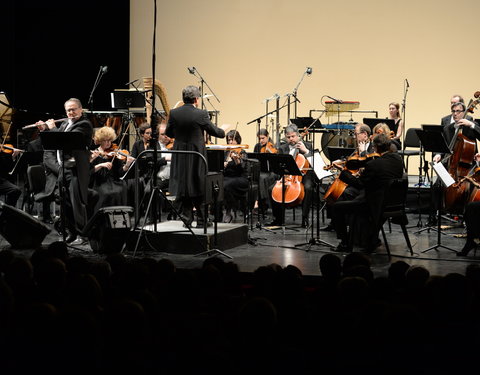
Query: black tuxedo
[(188, 125), (77, 174)]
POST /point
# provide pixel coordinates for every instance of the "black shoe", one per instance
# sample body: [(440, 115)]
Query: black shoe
[(70, 238), (305, 222), (328, 228), (274, 223), (80, 241), (467, 248), (343, 248), (202, 225)]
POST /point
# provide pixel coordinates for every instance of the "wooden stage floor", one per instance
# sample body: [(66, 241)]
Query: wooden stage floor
[(303, 248)]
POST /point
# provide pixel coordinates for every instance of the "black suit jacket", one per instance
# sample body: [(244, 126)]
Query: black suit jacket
[(188, 125)]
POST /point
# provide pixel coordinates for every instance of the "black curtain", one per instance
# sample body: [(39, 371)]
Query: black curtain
[(53, 50)]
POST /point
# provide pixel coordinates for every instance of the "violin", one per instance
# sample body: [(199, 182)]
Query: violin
[(268, 148), (7, 148), (114, 152), (169, 145), (354, 163)]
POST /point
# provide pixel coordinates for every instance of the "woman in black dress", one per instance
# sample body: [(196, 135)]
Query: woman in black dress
[(107, 170)]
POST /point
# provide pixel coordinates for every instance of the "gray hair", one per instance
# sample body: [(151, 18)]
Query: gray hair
[(190, 93)]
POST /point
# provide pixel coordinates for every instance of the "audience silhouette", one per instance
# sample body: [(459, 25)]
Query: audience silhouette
[(70, 314)]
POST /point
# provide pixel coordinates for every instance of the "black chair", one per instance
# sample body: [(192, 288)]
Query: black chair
[(36, 183), (411, 141), (394, 209), (253, 174)]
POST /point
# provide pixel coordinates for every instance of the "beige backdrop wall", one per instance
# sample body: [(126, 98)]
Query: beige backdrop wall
[(359, 50)]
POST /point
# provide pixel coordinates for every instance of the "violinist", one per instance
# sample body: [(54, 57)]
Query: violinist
[(295, 144), (235, 180), (364, 142), (267, 179), (8, 189), (382, 128), (107, 170), (165, 143), (371, 185)]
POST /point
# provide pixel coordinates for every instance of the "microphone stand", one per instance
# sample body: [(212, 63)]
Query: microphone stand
[(100, 74), (203, 82), (295, 91), (404, 104)]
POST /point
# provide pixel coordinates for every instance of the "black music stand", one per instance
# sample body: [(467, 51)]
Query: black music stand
[(125, 99), (339, 153), (263, 158), (62, 141), (283, 164), (433, 141)]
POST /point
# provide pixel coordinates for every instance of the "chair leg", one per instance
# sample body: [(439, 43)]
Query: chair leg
[(407, 238), (385, 241)]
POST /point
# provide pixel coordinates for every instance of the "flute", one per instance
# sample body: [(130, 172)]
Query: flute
[(35, 125)]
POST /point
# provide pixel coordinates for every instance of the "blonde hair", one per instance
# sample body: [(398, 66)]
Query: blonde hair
[(385, 128), (105, 133)]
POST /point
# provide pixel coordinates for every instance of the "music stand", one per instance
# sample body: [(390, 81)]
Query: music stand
[(264, 159), (283, 164), (339, 153), (433, 141), (62, 141)]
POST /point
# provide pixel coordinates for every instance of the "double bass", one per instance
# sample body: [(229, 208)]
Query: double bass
[(459, 164)]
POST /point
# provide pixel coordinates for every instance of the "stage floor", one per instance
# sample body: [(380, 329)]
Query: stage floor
[(303, 248)]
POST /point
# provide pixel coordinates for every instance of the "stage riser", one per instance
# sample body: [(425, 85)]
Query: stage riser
[(185, 243)]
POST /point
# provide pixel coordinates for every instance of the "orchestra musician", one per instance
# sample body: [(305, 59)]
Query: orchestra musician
[(165, 143), (382, 128), (364, 145), (235, 180), (394, 114), (107, 170), (8, 189), (371, 184), (296, 144), (188, 125), (77, 169), (267, 179)]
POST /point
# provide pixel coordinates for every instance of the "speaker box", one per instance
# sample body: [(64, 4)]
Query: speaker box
[(20, 229), (108, 229)]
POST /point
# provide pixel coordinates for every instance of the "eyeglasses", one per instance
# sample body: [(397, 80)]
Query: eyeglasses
[(457, 111)]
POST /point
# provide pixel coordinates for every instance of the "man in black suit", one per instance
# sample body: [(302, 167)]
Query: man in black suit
[(77, 168), (188, 125), (372, 185), (295, 145)]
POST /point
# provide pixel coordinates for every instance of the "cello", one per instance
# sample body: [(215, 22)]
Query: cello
[(291, 186), (459, 164)]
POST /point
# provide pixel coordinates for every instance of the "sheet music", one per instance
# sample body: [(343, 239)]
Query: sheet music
[(443, 174), (317, 162)]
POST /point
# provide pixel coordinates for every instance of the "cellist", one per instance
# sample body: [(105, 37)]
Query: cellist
[(295, 145), (470, 128)]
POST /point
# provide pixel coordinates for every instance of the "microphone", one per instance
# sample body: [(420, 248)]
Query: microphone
[(104, 69), (191, 70), (406, 81), (131, 82), (309, 71), (335, 100)]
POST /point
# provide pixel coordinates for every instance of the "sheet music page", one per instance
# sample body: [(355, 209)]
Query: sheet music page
[(317, 162), (443, 174)]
